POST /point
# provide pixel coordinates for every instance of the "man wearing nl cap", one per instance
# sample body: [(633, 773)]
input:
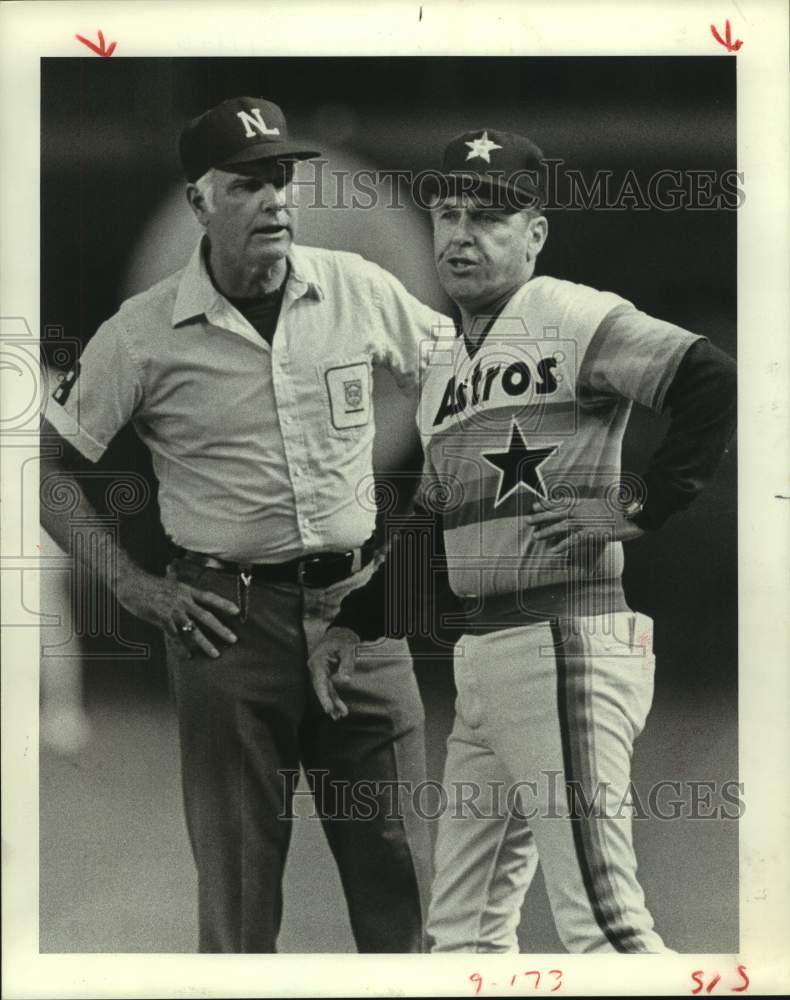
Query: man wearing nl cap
[(522, 419), (248, 376)]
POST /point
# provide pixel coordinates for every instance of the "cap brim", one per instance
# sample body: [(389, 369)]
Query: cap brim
[(265, 152)]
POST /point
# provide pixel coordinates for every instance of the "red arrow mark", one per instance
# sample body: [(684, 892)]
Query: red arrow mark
[(727, 42), (98, 49)]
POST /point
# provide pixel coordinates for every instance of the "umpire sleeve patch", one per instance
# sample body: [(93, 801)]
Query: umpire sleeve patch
[(67, 381)]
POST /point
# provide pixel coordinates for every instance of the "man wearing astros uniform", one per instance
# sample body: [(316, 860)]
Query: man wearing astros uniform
[(522, 417)]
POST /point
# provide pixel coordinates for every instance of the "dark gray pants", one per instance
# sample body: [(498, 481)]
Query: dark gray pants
[(247, 720)]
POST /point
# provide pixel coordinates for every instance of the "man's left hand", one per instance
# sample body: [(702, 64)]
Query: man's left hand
[(563, 528)]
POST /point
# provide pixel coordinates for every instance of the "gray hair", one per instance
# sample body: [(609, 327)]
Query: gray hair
[(205, 186)]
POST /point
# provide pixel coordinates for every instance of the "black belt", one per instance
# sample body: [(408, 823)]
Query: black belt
[(313, 571)]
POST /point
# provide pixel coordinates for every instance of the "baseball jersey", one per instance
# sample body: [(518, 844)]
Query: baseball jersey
[(259, 449), (539, 409)]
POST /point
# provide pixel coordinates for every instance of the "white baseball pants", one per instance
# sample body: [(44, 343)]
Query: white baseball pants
[(538, 768)]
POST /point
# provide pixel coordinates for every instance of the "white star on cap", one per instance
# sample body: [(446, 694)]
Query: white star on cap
[(481, 147)]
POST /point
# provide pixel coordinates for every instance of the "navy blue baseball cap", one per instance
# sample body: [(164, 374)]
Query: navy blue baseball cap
[(501, 169), (238, 135)]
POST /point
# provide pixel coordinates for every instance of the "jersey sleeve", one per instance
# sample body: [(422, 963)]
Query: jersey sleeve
[(633, 355), (427, 496), (380, 608), (408, 329), (366, 610), (99, 395), (702, 403)]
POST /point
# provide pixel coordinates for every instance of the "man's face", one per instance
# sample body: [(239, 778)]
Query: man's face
[(253, 219), (482, 253)]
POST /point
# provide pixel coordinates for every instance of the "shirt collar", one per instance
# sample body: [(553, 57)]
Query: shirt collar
[(304, 278), (197, 296)]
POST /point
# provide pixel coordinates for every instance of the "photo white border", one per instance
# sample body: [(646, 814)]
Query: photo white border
[(29, 31)]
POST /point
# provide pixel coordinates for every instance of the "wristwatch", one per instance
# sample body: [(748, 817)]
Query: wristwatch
[(633, 509)]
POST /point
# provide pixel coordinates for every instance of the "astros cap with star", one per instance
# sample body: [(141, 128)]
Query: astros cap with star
[(502, 169), (238, 135)]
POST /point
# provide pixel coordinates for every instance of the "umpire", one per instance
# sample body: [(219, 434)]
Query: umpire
[(248, 375)]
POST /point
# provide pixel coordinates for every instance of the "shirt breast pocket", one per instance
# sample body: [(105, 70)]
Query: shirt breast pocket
[(347, 389)]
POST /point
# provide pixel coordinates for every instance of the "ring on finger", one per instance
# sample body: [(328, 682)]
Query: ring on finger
[(187, 628)]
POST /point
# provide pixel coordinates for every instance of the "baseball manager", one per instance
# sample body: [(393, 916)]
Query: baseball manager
[(522, 418), (248, 375)]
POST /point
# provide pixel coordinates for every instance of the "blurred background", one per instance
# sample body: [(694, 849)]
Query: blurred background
[(116, 873)]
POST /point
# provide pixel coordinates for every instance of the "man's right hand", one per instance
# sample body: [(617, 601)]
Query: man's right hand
[(333, 661), (170, 605)]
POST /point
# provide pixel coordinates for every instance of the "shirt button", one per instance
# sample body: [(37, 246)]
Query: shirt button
[(297, 470)]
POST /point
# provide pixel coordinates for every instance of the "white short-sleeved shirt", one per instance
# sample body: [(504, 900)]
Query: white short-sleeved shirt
[(258, 449)]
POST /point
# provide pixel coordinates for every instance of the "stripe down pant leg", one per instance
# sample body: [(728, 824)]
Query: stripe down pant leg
[(559, 708)]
